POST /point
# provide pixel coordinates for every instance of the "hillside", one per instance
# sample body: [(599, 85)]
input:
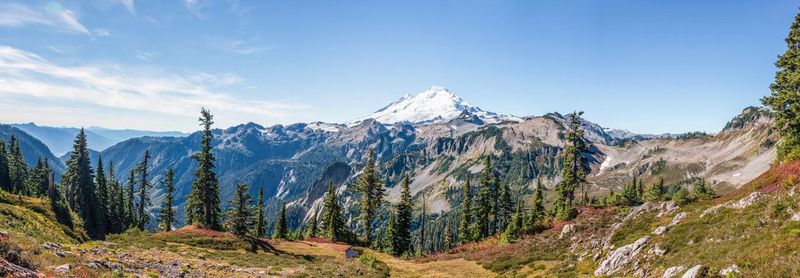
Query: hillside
[(59, 139), (32, 148)]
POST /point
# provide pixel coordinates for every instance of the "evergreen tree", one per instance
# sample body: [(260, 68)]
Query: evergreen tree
[(537, 208), (281, 227), (405, 211), (423, 224), (448, 236), (656, 191), (483, 210), (505, 207), (78, 177), (261, 229), (464, 234), (514, 228), (574, 169), (314, 229), (701, 190), (130, 210), (17, 167), (391, 243), (167, 215), (240, 214), (144, 193), (116, 199), (785, 97), (371, 189), (37, 182), (630, 193), (58, 204), (333, 224), (203, 204), (5, 179), (102, 192)]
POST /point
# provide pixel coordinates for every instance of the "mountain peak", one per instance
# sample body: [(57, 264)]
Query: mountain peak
[(433, 105)]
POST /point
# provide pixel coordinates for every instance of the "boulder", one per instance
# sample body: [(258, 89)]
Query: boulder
[(659, 251), (617, 259), (695, 272), (660, 230), (64, 268), (732, 269), (673, 271), (747, 201), (568, 229), (677, 219)]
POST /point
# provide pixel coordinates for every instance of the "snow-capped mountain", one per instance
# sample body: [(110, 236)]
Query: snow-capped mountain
[(434, 105)]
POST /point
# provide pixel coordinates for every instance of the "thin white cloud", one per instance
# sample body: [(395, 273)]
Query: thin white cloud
[(144, 56), (129, 5), (195, 7), (102, 32), (242, 47), (53, 16), (25, 75)]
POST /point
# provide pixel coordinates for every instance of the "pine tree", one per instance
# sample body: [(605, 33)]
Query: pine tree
[(405, 214), (281, 227), (332, 219), (464, 235), (574, 169), (422, 247), (78, 178), (261, 229), (5, 179), (240, 214), (656, 191), (448, 236), (102, 192), (701, 190), (167, 215), (37, 183), (629, 194), (372, 191), (314, 229), (203, 204), (58, 204), (17, 167), (537, 209), (785, 97), (130, 210), (144, 193)]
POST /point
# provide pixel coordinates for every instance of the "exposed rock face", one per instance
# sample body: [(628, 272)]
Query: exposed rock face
[(64, 268), (747, 201), (677, 219), (695, 272), (8, 269), (617, 259), (660, 230), (673, 271)]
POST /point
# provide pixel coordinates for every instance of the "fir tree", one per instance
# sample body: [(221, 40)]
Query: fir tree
[(333, 219), (130, 210), (785, 97), (448, 236), (371, 190), (405, 211), (167, 215), (78, 177), (574, 169), (464, 235), (58, 204), (37, 183), (261, 229), (422, 225), (701, 190), (514, 228), (144, 193), (656, 191), (116, 199), (203, 204), (102, 192), (537, 208), (17, 167), (314, 229), (240, 214), (5, 179), (281, 227), (483, 210), (505, 207), (391, 243)]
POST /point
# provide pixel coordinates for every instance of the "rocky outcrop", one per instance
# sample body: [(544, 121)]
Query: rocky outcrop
[(695, 272), (740, 204), (568, 229), (675, 220), (8, 269), (732, 269), (673, 271), (621, 257)]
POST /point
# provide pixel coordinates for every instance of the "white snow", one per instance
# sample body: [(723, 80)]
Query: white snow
[(434, 105), (606, 163), (326, 127)]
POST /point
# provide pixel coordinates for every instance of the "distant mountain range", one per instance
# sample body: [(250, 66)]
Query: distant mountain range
[(438, 139), (60, 139)]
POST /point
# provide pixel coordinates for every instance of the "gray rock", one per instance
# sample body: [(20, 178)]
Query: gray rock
[(695, 272), (673, 271), (677, 219), (568, 229), (64, 268), (747, 201), (659, 251), (660, 230), (729, 270), (617, 259)]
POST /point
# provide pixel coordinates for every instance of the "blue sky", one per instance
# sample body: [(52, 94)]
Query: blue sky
[(645, 66)]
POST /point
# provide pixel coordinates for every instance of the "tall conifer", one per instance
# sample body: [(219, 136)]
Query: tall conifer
[(203, 204)]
